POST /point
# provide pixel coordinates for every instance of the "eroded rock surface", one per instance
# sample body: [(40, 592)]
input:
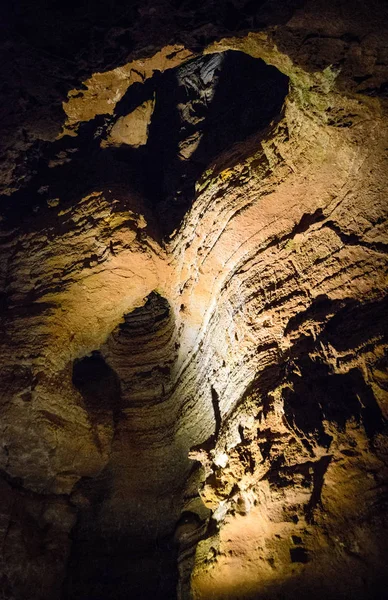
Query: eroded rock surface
[(194, 371)]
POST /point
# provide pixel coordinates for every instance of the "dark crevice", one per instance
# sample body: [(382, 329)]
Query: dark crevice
[(216, 410), (321, 308), (356, 324), (299, 555), (320, 467), (351, 239), (316, 395)]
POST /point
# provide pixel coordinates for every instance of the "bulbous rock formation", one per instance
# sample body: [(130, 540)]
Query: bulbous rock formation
[(194, 367)]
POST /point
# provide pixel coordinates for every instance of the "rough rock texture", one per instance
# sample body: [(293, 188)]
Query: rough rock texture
[(194, 367)]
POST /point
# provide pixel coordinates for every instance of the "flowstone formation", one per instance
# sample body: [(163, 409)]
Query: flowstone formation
[(194, 365)]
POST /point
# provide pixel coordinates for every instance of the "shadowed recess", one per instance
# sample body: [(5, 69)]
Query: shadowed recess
[(123, 540), (202, 109)]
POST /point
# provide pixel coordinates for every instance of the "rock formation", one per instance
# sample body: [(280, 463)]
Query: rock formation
[(194, 366)]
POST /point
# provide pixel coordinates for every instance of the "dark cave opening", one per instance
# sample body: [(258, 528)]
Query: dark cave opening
[(98, 384), (202, 109)]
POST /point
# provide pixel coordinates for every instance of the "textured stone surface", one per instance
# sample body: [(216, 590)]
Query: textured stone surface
[(193, 385)]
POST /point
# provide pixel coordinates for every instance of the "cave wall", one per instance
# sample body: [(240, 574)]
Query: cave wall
[(193, 363)]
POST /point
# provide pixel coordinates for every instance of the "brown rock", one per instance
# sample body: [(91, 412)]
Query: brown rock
[(193, 366)]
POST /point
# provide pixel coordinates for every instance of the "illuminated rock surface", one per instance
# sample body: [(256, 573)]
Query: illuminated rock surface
[(194, 367)]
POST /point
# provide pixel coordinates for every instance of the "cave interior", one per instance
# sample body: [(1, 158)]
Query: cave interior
[(194, 311)]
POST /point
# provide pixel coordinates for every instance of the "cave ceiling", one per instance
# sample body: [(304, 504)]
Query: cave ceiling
[(194, 312)]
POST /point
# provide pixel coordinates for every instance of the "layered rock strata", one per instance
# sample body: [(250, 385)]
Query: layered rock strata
[(194, 360)]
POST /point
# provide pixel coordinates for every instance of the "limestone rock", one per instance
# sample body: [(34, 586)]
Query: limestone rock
[(193, 365)]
